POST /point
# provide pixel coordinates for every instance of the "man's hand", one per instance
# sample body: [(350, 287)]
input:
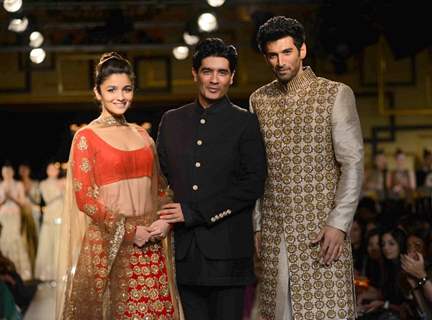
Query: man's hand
[(142, 236), (171, 213), (159, 229), (257, 238), (332, 241)]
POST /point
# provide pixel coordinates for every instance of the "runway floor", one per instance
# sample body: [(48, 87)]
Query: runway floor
[(42, 306)]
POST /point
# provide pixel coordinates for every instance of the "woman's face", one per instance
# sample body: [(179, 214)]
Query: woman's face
[(415, 244), (356, 234), (52, 171), (380, 161), (390, 247), (373, 248), (400, 160), (116, 94), (24, 171), (7, 172)]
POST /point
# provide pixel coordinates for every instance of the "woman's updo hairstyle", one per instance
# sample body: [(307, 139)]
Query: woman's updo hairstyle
[(112, 63)]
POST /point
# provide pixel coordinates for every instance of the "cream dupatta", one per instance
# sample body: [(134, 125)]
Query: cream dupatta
[(93, 254)]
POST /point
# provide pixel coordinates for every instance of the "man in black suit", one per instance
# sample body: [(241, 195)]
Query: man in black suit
[(212, 154)]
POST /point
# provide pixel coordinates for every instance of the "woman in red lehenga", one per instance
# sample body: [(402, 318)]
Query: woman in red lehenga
[(115, 259)]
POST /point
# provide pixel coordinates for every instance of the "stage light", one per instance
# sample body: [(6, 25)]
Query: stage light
[(215, 3), (18, 24), (12, 5), (207, 22), (180, 52), (190, 39), (37, 55), (36, 39)]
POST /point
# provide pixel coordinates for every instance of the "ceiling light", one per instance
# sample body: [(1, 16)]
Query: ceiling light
[(207, 22), (180, 52), (18, 25), (37, 55), (36, 39), (215, 3), (12, 5), (190, 39)]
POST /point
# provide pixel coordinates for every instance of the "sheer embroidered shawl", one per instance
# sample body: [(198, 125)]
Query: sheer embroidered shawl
[(92, 240)]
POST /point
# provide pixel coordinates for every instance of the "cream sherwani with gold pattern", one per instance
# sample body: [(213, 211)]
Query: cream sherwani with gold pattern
[(315, 161)]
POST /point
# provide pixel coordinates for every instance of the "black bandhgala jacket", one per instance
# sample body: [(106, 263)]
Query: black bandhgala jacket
[(214, 160)]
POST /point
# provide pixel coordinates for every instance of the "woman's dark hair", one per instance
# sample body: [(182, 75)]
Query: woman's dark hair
[(214, 47), (112, 63), (391, 285), (400, 237), (424, 235), (399, 152), (371, 233), (280, 27), (8, 164)]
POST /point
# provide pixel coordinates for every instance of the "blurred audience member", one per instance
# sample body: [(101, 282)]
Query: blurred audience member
[(32, 193), (418, 273), (52, 190), (22, 292), (375, 179), (424, 172), (388, 300), (401, 181), (12, 243)]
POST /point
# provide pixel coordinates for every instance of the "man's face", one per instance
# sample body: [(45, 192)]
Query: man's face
[(213, 78), (284, 58)]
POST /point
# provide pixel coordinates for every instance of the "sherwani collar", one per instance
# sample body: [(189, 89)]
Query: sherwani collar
[(215, 107), (300, 81)]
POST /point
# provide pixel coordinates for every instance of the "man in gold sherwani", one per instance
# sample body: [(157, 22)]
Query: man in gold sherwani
[(315, 162)]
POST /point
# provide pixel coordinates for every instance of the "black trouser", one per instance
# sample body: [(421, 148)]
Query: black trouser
[(212, 302)]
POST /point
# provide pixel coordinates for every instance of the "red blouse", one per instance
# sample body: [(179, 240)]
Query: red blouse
[(96, 163)]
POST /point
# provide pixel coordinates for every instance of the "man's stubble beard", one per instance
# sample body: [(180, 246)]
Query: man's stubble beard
[(290, 76)]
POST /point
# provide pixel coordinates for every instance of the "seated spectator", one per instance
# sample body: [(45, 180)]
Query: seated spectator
[(418, 273), (389, 299), (8, 309), (358, 252), (22, 292), (372, 268)]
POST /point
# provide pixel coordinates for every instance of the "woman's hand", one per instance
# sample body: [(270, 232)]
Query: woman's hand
[(414, 266), (159, 229), (142, 236)]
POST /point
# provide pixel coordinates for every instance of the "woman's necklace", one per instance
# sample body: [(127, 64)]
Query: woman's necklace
[(110, 120)]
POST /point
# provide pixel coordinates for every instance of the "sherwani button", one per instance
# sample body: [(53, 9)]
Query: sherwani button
[(199, 142), (195, 187), (212, 219), (202, 121), (197, 164)]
